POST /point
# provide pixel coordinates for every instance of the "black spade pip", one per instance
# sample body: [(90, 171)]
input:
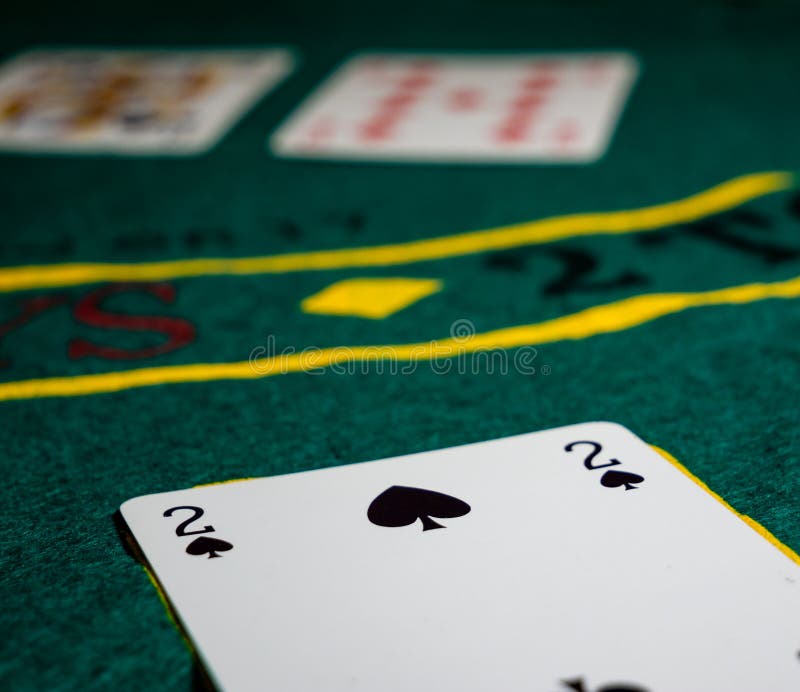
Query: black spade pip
[(206, 545), (402, 506), (616, 479)]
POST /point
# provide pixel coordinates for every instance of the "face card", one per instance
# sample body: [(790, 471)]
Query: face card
[(572, 559), (130, 101), (537, 108)]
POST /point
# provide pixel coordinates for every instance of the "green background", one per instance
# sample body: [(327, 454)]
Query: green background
[(717, 387)]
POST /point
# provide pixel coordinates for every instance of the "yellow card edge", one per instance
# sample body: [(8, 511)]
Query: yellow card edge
[(752, 523)]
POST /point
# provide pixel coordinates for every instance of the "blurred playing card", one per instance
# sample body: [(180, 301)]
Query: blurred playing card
[(130, 101), (549, 108)]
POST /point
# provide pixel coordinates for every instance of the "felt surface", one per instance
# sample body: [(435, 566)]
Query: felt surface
[(715, 386)]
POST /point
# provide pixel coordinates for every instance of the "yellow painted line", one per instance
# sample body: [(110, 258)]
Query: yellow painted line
[(712, 201), (601, 319), (752, 523)]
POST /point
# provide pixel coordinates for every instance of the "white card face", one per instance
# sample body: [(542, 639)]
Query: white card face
[(130, 101), (571, 559), (538, 108)]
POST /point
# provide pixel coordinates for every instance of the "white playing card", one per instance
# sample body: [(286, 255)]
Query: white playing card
[(572, 559), (130, 101), (534, 107)]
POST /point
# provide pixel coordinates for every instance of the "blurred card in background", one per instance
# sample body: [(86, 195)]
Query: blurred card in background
[(130, 101), (518, 107)]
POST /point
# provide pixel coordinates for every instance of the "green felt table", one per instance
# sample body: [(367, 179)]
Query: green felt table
[(715, 380)]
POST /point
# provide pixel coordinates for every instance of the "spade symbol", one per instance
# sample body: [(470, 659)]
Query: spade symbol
[(204, 544), (402, 506), (614, 479)]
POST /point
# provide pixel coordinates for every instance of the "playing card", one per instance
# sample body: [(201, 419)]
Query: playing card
[(534, 107), (572, 559), (130, 101)]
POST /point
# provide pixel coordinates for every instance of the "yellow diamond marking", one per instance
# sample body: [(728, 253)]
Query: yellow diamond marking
[(372, 298)]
